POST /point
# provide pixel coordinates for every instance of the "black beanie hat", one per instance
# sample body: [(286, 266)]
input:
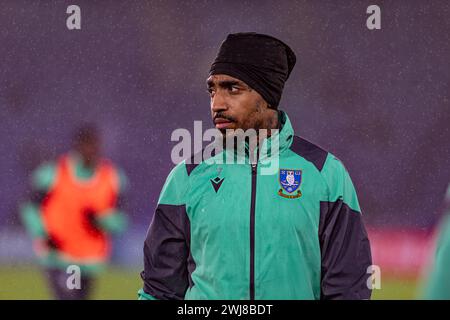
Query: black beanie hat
[(261, 61)]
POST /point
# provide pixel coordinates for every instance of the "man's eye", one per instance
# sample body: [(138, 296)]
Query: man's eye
[(234, 89), (210, 91)]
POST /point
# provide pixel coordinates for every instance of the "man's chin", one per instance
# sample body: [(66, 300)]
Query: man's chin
[(228, 132)]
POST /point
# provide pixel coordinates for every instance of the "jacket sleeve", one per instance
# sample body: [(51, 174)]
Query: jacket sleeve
[(166, 247), (42, 181), (436, 285), (345, 247), (114, 220)]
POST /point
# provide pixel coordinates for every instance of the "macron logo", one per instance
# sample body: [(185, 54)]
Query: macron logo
[(216, 183)]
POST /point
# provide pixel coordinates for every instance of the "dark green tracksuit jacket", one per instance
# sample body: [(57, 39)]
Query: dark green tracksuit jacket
[(229, 232)]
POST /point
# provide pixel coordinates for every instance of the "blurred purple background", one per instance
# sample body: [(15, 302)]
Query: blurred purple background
[(378, 100)]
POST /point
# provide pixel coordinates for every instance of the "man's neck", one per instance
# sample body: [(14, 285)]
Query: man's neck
[(82, 163), (272, 122)]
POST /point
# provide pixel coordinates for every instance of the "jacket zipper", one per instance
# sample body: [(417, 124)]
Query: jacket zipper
[(252, 233)]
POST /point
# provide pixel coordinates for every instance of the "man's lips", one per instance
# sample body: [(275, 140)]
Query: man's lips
[(222, 123)]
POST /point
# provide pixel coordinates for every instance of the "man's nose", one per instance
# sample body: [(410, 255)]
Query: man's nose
[(218, 102)]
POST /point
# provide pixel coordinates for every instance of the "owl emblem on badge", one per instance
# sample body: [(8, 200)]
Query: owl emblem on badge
[(290, 181), (290, 178)]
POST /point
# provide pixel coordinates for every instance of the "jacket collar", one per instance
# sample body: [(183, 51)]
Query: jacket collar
[(280, 140)]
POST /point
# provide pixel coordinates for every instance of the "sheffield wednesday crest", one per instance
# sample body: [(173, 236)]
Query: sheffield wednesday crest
[(290, 181)]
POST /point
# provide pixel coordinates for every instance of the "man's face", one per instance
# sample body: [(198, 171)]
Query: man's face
[(89, 151), (234, 105)]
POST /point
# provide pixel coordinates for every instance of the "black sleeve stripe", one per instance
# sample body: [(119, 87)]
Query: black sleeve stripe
[(345, 253), (168, 262), (309, 151)]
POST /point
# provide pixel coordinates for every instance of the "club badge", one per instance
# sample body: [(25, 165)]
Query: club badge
[(290, 181)]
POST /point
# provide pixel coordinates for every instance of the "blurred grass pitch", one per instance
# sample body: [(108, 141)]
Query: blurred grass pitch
[(27, 282)]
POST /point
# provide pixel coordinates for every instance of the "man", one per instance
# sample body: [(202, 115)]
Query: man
[(75, 205), (227, 231), (438, 284)]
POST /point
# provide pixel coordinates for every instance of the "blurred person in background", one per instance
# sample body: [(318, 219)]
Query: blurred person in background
[(75, 206), (437, 286)]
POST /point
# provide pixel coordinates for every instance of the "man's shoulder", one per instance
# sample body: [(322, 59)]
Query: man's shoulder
[(43, 177), (108, 163), (199, 159), (119, 174), (178, 172), (309, 151), (325, 162), (332, 170), (175, 186), (192, 165)]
